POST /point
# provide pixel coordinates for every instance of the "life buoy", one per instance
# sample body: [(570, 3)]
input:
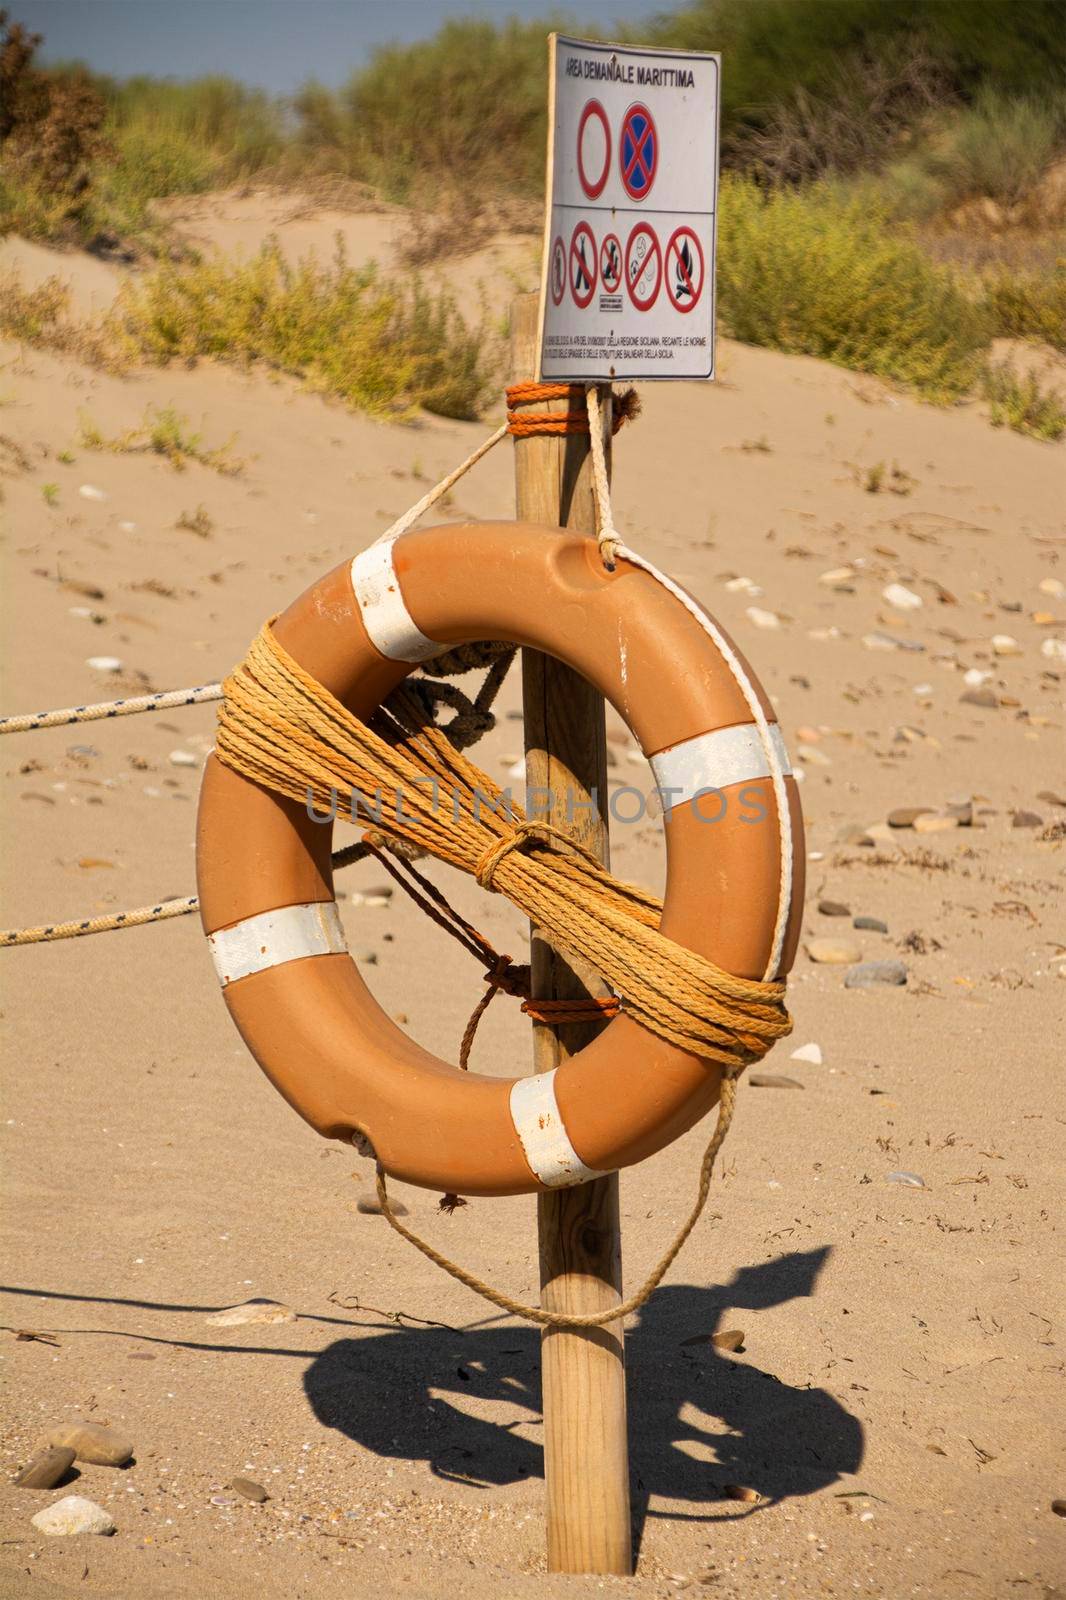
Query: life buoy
[(266, 890)]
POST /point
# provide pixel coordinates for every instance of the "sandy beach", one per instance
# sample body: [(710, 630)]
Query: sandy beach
[(897, 1401)]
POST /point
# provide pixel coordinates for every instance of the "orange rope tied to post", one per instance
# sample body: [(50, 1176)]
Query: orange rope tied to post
[(625, 407)]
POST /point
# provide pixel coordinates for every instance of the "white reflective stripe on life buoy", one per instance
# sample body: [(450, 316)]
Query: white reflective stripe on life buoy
[(714, 761), (383, 608), (542, 1132), (288, 934)]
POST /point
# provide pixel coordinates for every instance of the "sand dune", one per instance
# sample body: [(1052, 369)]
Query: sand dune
[(895, 1402)]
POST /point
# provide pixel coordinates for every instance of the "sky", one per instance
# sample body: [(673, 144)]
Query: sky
[(273, 44)]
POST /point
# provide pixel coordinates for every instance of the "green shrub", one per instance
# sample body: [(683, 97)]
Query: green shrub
[(820, 273), (1019, 402), (1029, 305), (381, 347), (40, 318), (997, 147)]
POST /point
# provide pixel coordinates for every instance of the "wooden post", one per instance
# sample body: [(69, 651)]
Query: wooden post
[(585, 1448)]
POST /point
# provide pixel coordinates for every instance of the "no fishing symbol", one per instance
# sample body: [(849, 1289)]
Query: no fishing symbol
[(644, 267), (558, 279), (582, 265), (610, 264), (593, 149), (638, 152), (684, 269)]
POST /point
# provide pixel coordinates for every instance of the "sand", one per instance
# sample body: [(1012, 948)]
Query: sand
[(897, 1403)]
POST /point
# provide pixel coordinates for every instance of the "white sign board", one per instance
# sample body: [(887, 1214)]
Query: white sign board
[(627, 289)]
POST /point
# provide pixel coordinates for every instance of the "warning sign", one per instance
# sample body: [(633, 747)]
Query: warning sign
[(639, 152), (610, 264), (558, 272), (628, 285), (684, 269), (582, 265), (644, 267), (593, 149)]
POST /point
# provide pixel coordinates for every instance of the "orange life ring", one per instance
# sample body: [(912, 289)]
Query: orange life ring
[(266, 890)]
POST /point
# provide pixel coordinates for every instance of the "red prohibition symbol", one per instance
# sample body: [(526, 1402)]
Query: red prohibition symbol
[(582, 265), (638, 152), (610, 264), (558, 271), (591, 182), (644, 266), (684, 269)]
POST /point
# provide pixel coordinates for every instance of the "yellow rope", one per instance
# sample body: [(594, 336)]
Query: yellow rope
[(279, 727)]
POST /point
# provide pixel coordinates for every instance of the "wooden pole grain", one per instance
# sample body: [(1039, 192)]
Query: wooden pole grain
[(583, 1370)]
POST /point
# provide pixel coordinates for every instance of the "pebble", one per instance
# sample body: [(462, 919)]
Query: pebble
[(910, 1180), (834, 908), (73, 1514), (772, 1080), (1026, 819), (808, 1052), (1053, 586), (907, 816), (737, 1491), (729, 1339), (839, 952), (836, 576), (869, 925), (46, 1468), (813, 756), (127, 527), (1052, 797), (91, 1442), (252, 1311), (182, 758), (903, 599), (1004, 645), (366, 958), (249, 1489), (1059, 1507), (370, 1206), (974, 677), (870, 974), (930, 822), (880, 641), (89, 491), (1054, 649), (222, 1500), (765, 619), (742, 585), (988, 698), (104, 663)]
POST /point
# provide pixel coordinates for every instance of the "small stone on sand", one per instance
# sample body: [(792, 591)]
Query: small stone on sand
[(252, 1311), (249, 1489), (89, 491), (761, 618), (907, 816), (903, 599), (808, 1052), (1004, 645), (370, 1206), (836, 952), (834, 908), (872, 974), (909, 1180), (987, 698), (46, 1468), (869, 925), (73, 1514), (182, 758), (729, 1339), (1026, 819), (929, 822), (104, 663), (772, 1080), (91, 1442)]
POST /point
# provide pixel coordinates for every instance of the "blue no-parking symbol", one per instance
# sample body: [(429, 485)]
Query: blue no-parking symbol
[(638, 152)]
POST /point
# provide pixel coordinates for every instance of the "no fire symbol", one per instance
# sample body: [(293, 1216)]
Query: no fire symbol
[(610, 264), (684, 269), (582, 265)]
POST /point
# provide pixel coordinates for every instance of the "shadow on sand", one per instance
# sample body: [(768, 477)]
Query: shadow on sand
[(699, 1419)]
